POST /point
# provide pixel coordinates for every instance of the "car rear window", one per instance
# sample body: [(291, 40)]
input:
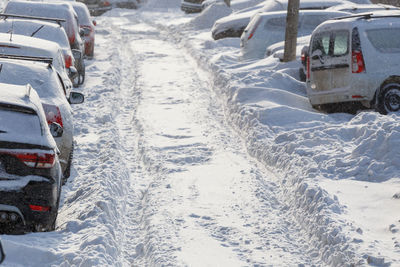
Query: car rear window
[(14, 122), (385, 40)]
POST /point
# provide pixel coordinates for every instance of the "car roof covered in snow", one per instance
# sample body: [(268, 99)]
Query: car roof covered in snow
[(40, 29), (21, 45)]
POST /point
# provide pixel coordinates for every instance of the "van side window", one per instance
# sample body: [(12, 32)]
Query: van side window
[(385, 40)]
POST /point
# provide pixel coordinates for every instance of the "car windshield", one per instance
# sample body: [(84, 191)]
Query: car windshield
[(385, 40), (13, 122)]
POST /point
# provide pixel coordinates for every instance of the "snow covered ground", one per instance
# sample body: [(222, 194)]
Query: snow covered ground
[(187, 156)]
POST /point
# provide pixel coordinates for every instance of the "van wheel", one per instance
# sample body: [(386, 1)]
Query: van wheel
[(389, 98)]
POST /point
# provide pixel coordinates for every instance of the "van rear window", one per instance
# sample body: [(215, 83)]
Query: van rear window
[(385, 40)]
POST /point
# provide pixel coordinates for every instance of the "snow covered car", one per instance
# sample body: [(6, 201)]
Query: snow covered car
[(97, 7), (45, 79), (87, 26), (267, 28), (41, 29), (356, 60), (30, 172), (59, 10), (19, 45), (234, 24), (192, 6)]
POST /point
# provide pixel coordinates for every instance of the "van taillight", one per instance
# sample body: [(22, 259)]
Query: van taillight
[(34, 160), (308, 68), (53, 114), (357, 62), (68, 61)]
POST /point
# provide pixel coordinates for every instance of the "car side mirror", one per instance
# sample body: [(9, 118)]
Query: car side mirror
[(56, 129), (76, 98), (77, 53), (94, 23)]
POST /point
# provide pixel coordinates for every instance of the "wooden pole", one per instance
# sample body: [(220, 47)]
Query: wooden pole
[(292, 22)]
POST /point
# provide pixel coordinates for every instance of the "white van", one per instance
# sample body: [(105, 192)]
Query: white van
[(356, 59)]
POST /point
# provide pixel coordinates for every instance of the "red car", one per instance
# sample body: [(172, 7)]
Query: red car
[(87, 25)]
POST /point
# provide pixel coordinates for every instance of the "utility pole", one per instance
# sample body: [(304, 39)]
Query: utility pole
[(292, 22)]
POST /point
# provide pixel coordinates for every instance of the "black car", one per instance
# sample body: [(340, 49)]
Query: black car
[(30, 172)]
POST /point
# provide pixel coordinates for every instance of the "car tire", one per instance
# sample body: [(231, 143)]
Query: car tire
[(67, 172), (389, 98), (302, 75)]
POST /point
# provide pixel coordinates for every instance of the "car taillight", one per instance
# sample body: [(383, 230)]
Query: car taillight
[(254, 28), (106, 3), (357, 62), (37, 160), (41, 160), (68, 61), (39, 208), (72, 39), (308, 67), (53, 114)]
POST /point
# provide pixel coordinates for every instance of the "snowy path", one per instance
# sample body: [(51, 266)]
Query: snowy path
[(205, 201)]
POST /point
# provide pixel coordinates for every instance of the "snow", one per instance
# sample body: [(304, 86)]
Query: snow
[(187, 156)]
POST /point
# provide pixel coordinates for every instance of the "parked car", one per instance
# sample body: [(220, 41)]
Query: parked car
[(191, 6), (59, 10), (19, 45), (30, 172), (39, 28), (234, 24), (50, 88), (87, 26), (356, 60), (267, 28), (97, 7)]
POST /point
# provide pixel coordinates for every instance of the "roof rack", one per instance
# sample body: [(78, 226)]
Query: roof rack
[(28, 58), (367, 16), (362, 15), (5, 15)]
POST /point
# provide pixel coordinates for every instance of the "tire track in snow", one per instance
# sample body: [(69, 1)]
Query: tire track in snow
[(248, 239)]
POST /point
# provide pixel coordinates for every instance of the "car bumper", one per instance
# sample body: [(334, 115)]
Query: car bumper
[(338, 95), (15, 203)]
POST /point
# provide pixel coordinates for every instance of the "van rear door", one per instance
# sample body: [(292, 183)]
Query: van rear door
[(330, 60)]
